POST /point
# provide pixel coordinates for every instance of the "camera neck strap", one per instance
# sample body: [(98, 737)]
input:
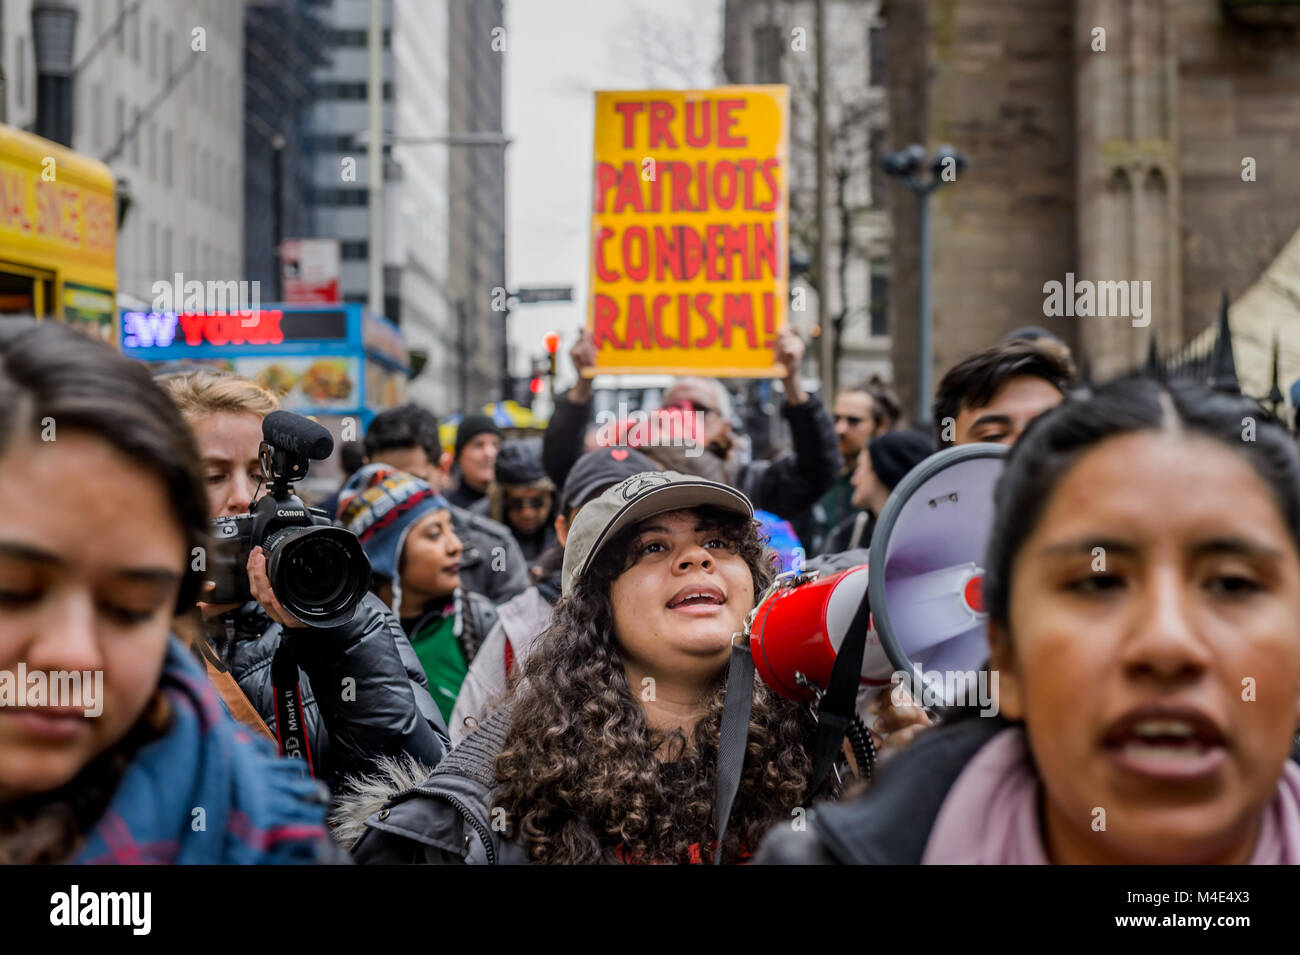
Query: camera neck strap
[(290, 726)]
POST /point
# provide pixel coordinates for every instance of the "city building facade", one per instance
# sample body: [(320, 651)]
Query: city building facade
[(158, 95)]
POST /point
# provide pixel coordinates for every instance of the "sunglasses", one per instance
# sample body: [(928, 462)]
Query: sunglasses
[(527, 504), (692, 406)]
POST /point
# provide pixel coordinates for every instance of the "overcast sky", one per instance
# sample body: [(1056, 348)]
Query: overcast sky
[(559, 52)]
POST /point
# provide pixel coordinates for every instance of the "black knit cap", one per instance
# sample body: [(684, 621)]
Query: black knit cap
[(520, 462), (895, 453), (471, 425)]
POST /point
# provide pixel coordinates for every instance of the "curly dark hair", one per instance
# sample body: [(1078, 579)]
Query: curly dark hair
[(582, 774)]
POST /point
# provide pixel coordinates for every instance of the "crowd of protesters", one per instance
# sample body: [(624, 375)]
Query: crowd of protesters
[(539, 670)]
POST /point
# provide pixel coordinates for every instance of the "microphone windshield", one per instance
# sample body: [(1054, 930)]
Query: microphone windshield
[(297, 435)]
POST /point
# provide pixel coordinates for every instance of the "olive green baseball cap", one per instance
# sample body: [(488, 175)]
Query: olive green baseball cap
[(633, 500)]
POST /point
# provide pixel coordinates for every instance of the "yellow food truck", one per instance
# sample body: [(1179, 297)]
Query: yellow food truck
[(58, 228)]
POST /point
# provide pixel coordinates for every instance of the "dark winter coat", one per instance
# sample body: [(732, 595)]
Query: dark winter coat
[(787, 486), (390, 713), (492, 563), (444, 820), (852, 533), (889, 824)]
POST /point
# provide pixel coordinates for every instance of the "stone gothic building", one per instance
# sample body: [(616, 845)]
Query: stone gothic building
[(1133, 141)]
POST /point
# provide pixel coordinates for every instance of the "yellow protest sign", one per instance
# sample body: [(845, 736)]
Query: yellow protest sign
[(689, 261)]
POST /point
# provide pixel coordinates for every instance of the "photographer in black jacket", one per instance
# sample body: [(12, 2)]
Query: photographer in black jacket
[(364, 693)]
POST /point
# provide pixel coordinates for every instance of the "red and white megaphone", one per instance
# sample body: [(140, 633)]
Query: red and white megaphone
[(923, 582)]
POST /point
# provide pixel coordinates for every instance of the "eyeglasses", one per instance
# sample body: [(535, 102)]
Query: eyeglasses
[(527, 504)]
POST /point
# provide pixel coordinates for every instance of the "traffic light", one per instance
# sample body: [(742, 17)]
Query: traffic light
[(552, 342), (533, 384)]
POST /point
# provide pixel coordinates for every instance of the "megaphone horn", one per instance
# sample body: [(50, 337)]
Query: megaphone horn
[(927, 557), (923, 581)]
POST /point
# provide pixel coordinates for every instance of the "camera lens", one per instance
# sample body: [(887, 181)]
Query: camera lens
[(319, 574), (319, 570)]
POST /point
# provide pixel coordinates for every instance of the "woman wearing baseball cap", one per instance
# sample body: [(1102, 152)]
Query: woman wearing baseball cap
[(608, 751)]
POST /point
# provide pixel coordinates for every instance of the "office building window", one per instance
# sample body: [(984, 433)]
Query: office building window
[(20, 71), (153, 49), (879, 298), (357, 38), (349, 91), (119, 27), (97, 115), (355, 249), (167, 251), (153, 251), (334, 143), (879, 180), (341, 197), (168, 42), (876, 54), (119, 119), (151, 146), (135, 34), (135, 137), (769, 44)]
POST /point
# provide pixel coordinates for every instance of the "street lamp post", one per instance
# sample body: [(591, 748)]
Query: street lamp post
[(944, 167)]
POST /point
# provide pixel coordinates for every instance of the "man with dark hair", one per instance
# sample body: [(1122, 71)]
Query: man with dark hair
[(885, 407), (993, 394), (407, 438), (491, 564), (856, 419)]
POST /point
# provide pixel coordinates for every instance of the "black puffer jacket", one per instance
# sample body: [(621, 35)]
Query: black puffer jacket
[(387, 712), (890, 824), (448, 818)]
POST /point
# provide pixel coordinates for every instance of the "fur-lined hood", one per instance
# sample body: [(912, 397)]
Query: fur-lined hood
[(363, 796)]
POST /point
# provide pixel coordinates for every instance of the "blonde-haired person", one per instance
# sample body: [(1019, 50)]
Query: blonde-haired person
[(372, 698), (225, 412)]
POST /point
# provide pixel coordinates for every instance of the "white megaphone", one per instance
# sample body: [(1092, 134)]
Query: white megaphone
[(923, 579), (927, 570)]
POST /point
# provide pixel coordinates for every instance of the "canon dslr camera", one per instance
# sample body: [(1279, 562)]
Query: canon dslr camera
[(318, 571)]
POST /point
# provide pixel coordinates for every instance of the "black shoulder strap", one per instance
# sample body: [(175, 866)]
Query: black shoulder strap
[(733, 738), (839, 702)]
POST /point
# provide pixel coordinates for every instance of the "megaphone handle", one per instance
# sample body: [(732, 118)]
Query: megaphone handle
[(864, 750)]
